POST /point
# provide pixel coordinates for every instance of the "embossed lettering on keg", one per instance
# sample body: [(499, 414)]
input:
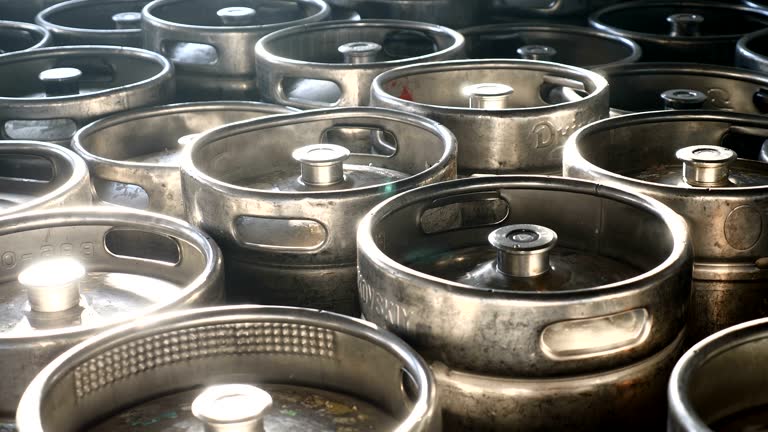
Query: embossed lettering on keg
[(334, 64), (640, 86), (64, 88), (498, 288), (211, 41), (94, 22), (690, 164), (134, 156), (572, 45), (37, 175), (237, 368), (283, 195), (525, 133), (720, 384), (69, 273), (20, 36), (689, 31), (450, 13)]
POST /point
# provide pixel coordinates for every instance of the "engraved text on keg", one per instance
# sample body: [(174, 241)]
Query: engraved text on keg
[(546, 134), (10, 259), (380, 306)]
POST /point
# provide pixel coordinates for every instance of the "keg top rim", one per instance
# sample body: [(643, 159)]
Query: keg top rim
[(42, 32), (379, 84), (596, 19), (44, 17), (262, 46), (677, 226), (573, 156)]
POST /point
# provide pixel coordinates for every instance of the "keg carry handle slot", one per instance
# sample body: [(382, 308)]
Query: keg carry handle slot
[(596, 336), (362, 140), (190, 54), (464, 211), (26, 168), (144, 246), (760, 100), (277, 93), (280, 234)]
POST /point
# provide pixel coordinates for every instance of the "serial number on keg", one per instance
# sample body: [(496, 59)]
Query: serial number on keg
[(381, 307), (10, 259)]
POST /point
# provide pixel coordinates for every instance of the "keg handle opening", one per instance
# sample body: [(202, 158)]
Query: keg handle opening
[(679, 99), (321, 164), (523, 250), (53, 285), (706, 165), (232, 408), (360, 52), (537, 52), (488, 95), (62, 81), (685, 24), (237, 16), (127, 20)]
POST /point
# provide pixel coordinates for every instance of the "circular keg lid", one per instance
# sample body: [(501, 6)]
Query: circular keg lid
[(359, 149), (488, 85), (697, 152), (640, 86), (572, 45), (293, 369), (19, 36), (74, 270), (226, 15), (63, 87), (95, 22), (679, 20)]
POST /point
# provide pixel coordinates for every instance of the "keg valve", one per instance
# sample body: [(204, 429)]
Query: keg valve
[(488, 95), (63, 81), (706, 165), (537, 52), (360, 52), (321, 164), (237, 15), (523, 250), (232, 408), (683, 99), (53, 285), (127, 20), (685, 24)]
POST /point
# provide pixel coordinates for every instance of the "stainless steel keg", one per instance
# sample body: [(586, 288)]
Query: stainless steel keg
[(526, 276), (211, 41), (720, 384), (333, 64), (647, 87), (686, 31), (67, 274), (94, 22), (134, 156), (20, 36), (57, 90), (688, 160), (630, 398), (756, 3), (507, 115), (572, 45), (37, 175), (342, 13), (537, 299), (247, 368), (283, 196), (450, 13)]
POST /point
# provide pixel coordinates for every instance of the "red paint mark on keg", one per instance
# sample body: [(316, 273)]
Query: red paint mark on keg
[(406, 94)]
